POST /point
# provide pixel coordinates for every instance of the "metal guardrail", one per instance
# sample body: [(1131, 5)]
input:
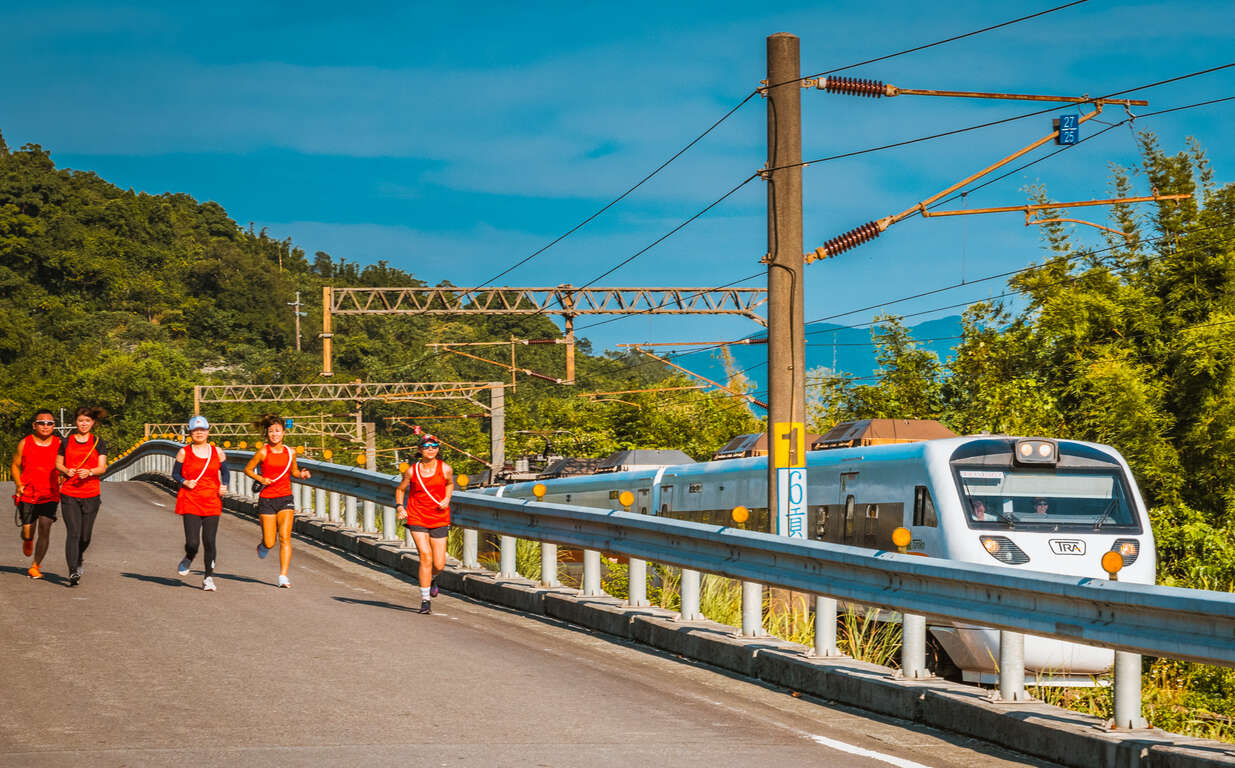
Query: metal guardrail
[(1188, 624)]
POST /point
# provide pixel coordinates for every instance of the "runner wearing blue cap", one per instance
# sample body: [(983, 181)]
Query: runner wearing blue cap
[(201, 471)]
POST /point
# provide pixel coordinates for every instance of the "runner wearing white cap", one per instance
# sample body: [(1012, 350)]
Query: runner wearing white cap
[(201, 471)]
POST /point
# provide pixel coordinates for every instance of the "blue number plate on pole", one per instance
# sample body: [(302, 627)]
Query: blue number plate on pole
[(1069, 127)]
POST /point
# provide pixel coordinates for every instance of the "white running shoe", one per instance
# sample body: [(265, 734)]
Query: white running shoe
[(183, 568), (284, 581), (208, 584)]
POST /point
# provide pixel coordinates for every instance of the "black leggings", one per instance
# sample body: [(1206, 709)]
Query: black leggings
[(204, 529), (79, 516)]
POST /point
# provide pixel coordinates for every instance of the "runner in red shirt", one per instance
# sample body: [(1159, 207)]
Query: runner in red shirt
[(427, 514), (201, 471), (38, 486), (276, 507), (82, 459)]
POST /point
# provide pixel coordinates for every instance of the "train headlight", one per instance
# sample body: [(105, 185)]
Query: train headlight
[(1036, 451), (1128, 549), (1002, 549)]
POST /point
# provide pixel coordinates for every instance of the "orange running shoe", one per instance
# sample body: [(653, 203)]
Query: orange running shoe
[(34, 572), (27, 547)]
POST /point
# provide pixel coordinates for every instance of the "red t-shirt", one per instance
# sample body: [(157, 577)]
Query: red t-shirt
[(84, 455), (203, 498), (39, 478), (424, 494), (276, 466)]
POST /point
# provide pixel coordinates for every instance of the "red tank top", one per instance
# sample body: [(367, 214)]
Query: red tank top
[(424, 495), (39, 478), (276, 466), (80, 456), (203, 498)]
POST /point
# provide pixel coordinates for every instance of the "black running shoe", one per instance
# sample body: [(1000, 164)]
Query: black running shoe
[(424, 607), (74, 577), (433, 589)]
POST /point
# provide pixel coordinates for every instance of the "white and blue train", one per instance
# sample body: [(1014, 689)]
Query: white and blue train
[(1030, 503)]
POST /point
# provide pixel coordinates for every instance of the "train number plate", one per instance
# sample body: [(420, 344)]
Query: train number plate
[(1068, 546)]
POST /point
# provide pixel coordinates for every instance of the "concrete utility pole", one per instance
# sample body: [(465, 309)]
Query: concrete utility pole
[(295, 305), (786, 326)]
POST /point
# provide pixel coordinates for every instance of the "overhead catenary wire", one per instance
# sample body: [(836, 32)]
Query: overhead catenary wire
[(988, 124)]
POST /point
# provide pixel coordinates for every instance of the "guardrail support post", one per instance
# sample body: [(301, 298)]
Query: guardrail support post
[(1128, 692), (638, 583), (913, 647), (349, 511), (825, 626), (690, 596), (319, 504), (388, 523), (471, 548), (306, 498), (548, 565), (1012, 667), (508, 558), (370, 516), (591, 573), (752, 609), (336, 506)]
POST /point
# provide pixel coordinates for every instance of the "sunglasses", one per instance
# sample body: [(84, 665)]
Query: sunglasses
[(429, 445), (45, 423)]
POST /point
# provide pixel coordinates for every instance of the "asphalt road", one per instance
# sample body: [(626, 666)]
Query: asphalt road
[(138, 666)]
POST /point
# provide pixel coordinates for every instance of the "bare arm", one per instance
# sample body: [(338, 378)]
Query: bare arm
[(448, 474), (400, 492), (16, 467), (250, 469), (296, 471)]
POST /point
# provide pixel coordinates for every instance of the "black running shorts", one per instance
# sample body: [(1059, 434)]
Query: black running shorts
[(29, 511), (275, 505), (434, 533)]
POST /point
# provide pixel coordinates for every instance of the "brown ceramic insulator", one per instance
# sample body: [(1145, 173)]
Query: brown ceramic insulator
[(853, 86)]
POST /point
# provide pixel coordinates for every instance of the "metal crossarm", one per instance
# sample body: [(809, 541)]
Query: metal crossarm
[(559, 300), (340, 391)]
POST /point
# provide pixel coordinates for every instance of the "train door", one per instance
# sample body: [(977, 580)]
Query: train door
[(847, 523)]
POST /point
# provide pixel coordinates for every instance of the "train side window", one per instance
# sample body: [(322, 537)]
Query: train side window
[(695, 488), (924, 508)]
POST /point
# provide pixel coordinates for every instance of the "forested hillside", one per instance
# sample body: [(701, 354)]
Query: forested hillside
[(126, 300)]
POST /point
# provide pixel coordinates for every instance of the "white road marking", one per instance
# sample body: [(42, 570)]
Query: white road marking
[(841, 746)]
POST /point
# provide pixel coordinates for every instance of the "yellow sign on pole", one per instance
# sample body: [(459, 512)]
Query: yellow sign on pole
[(790, 444)]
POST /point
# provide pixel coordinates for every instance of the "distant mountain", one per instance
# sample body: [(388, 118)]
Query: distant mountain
[(834, 347)]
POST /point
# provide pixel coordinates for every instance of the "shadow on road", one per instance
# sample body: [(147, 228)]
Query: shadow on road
[(375, 604), (162, 580), (50, 578)]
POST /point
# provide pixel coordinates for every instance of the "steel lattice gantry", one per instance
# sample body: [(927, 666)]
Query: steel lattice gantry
[(360, 392), (563, 300)]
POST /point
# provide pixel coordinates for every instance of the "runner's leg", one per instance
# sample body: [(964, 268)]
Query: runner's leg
[(210, 531), (192, 535), (424, 548), (89, 512), (286, 518), (71, 508), (269, 530), (43, 539)]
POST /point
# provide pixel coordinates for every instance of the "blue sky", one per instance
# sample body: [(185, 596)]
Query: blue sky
[(453, 141)]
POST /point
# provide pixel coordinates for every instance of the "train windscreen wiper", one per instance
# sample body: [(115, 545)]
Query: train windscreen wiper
[(1105, 513)]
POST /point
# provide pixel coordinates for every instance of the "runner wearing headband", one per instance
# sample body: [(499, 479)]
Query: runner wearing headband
[(38, 487), (275, 506), (427, 514), (82, 458), (201, 471)]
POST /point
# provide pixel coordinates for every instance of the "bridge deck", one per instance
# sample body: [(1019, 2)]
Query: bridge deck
[(138, 666)]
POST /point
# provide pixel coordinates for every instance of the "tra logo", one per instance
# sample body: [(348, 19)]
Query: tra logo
[(1068, 546)]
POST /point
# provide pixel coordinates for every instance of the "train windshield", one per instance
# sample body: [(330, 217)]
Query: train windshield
[(1020, 498)]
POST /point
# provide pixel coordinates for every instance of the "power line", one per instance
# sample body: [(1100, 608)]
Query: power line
[(991, 123), (1009, 173), (952, 39)]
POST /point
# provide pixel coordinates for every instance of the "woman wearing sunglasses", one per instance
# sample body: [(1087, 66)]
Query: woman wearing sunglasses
[(276, 506), (428, 485), (38, 487), (82, 459)]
